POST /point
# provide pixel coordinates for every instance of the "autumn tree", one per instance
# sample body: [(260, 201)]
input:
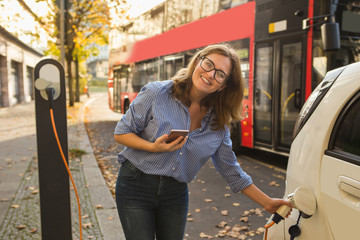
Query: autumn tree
[(86, 22)]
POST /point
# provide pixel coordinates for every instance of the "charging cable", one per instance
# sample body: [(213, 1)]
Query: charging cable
[(281, 213), (50, 92)]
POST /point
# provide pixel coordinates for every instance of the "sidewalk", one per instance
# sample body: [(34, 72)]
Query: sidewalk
[(19, 191)]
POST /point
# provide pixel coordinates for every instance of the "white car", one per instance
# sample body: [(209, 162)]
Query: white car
[(325, 161)]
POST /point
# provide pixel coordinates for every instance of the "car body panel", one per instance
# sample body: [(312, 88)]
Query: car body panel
[(308, 166), (342, 209)]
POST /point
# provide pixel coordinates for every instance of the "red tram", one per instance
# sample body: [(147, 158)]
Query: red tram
[(286, 47)]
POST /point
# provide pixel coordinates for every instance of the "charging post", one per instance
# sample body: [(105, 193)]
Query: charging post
[(53, 178)]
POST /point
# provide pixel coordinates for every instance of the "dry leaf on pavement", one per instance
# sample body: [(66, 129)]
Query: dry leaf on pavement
[(20, 227), (244, 219), (222, 224), (225, 212), (203, 235), (87, 225), (274, 183)]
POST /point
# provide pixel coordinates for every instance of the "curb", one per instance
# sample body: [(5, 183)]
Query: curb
[(107, 214)]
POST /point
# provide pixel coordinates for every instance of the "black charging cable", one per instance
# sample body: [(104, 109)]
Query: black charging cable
[(50, 92)]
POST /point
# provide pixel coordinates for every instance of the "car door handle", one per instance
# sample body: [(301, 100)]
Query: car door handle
[(349, 185)]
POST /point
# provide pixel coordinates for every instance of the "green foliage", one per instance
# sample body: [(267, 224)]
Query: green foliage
[(75, 152), (86, 22), (98, 82)]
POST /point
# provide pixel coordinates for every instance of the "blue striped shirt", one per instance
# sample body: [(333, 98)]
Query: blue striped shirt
[(153, 113)]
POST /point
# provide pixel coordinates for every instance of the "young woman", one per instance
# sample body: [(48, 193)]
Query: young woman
[(151, 191)]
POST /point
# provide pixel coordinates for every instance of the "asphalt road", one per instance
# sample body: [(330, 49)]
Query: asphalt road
[(214, 210)]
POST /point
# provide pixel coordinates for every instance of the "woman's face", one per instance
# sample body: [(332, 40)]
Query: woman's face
[(204, 78)]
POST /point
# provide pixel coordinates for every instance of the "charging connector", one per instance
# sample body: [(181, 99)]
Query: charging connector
[(281, 213), (302, 199), (50, 92)]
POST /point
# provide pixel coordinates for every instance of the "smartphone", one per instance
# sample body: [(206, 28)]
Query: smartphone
[(175, 133)]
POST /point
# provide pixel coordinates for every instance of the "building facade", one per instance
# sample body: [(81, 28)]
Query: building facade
[(17, 63), (98, 66)]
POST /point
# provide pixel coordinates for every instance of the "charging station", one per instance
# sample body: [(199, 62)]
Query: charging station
[(53, 178)]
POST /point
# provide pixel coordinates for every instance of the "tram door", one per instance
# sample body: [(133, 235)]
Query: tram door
[(277, 93)]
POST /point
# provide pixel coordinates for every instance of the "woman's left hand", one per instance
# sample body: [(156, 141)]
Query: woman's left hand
[(270, 204), (274, 203)]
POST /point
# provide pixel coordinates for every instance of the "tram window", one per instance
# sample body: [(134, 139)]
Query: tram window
[(143, 74), (168, 70), (161, 69), (178, 65), (152, 71), (136, 79)]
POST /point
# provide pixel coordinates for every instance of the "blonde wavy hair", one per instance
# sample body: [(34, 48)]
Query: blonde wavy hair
[(227, 102)]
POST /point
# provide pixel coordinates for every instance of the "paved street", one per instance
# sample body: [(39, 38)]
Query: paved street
[(212, 204), (215, 211)]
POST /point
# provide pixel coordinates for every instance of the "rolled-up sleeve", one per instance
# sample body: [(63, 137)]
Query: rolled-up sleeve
[(226, 164), (139, 113)]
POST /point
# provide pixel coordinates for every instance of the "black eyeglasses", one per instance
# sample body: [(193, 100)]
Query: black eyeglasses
[(209, 65)]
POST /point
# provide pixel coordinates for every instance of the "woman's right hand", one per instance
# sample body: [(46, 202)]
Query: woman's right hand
[(160, 144)]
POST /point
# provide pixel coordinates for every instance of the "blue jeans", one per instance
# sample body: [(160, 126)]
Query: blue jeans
[(151, 205)]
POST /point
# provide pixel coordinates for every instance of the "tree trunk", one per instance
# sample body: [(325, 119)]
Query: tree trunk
[(71, 92), (77, 90)]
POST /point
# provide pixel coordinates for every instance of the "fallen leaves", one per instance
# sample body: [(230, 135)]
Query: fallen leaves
[(87, 225), (244, 219), (256, 211), (108, 174), (282, 177), (99, 206), (237, 231), (20, 227), (203, 235), (274, 183), (225, 212)]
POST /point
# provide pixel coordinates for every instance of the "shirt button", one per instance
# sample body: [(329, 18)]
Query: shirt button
[(173, 168), (180, 153)]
